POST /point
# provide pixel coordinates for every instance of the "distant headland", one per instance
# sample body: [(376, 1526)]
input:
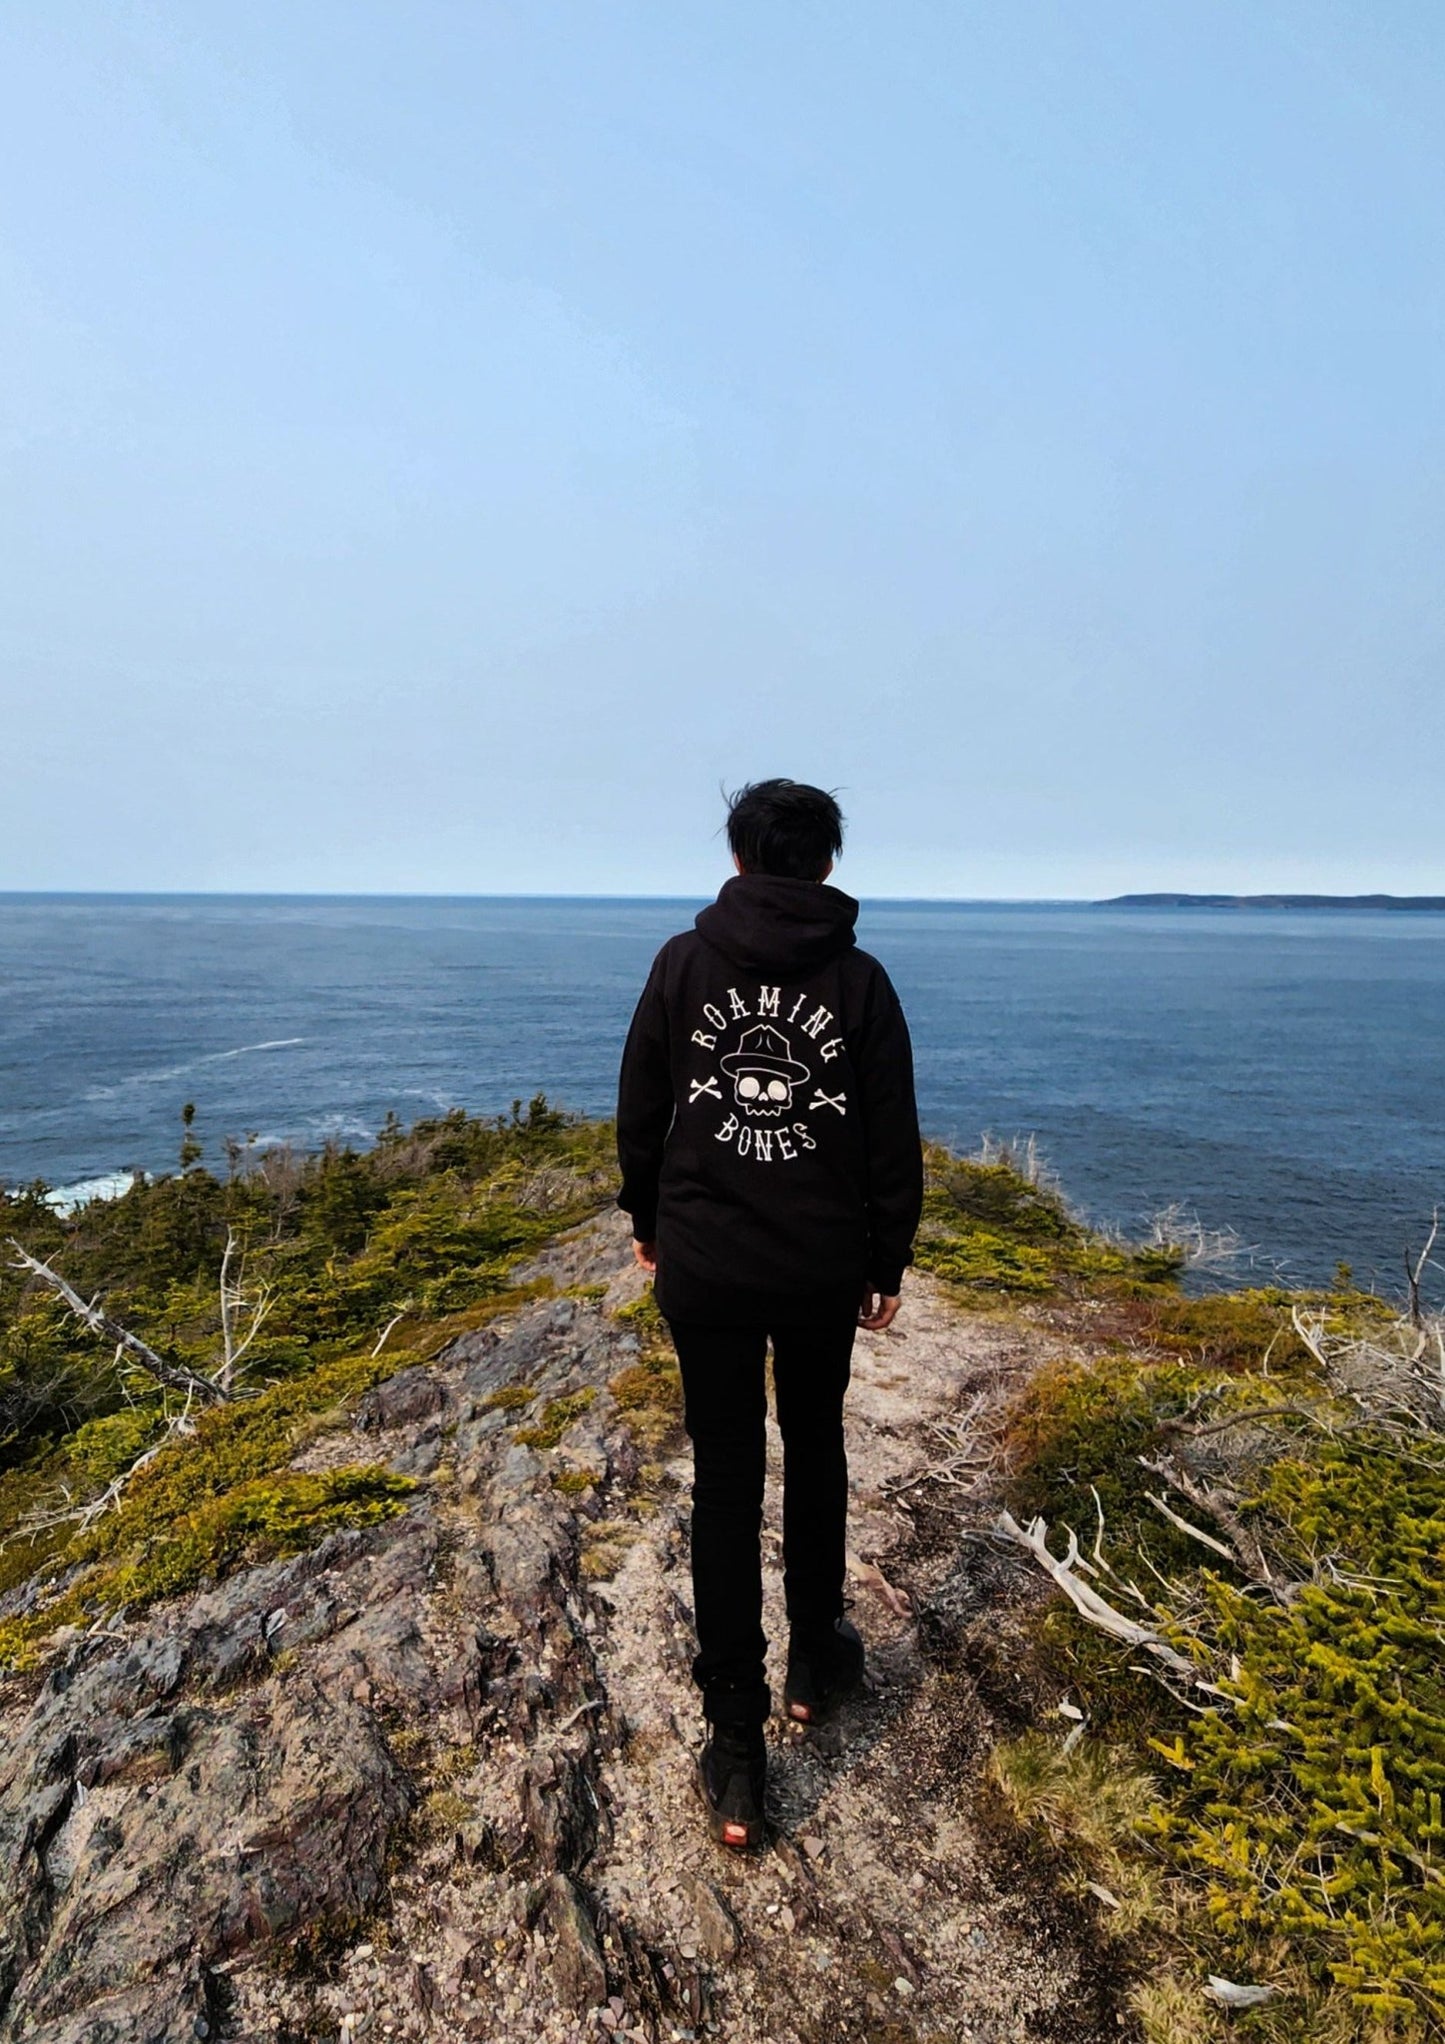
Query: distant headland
[(1401, 901)]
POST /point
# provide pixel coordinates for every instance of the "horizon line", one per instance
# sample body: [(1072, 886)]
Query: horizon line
[(1155, 896), (521, 894)]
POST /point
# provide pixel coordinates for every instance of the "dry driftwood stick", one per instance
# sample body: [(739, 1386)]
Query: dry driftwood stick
[(1106, 1567), (96, 1507), (1238, 1419), (1187, 1526), (174, 1375), (1089, 1604), (394, 1322), (1243, 1550)]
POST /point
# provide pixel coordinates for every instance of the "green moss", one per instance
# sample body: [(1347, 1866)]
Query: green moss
[(253, 1521), (574, 1482), (557, 1416), (644, 1314), (428, 1226), (1082, 1424), (99, 1451), (273, 1515), (444, 1810), (604, 1547), (988, 1227), (508, 1398), (1303, 1817), (1090, 1803), (649, 1391), (649, 1395), (1232, 1331)]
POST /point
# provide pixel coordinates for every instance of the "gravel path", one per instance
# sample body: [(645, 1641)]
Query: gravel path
[(457, 1801)]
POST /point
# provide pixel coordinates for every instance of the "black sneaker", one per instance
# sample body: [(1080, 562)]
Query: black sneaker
[(821, 1673), (732, 1772)]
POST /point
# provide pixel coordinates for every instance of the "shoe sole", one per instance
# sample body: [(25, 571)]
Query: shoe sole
[(733, 1832)]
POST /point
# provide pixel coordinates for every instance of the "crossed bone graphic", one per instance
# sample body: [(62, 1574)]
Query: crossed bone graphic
[(709, 1087)]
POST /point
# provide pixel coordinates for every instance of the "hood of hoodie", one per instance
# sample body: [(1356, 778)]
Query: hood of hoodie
[(766, 923)]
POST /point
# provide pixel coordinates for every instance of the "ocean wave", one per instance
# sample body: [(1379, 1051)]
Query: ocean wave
[(305, 1132), (340, 1125), (66, 1198), (210, 1057)]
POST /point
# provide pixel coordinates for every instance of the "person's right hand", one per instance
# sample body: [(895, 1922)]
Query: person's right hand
[(877, 1311), (645, 1253)]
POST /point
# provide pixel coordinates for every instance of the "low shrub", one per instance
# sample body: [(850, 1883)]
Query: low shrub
[(406, 1245), (1299, 1815), (990, 1228)]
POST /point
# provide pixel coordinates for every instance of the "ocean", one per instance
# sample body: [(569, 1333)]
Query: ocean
[(1276, 1073)]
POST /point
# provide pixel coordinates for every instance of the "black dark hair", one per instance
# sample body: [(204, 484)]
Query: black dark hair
[(785, 828)]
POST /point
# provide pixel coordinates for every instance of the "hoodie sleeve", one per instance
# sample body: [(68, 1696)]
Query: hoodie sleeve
[(644, 1106), (895, 1149)]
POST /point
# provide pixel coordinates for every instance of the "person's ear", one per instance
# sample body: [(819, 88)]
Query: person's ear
[(737, 863), (825, 872)]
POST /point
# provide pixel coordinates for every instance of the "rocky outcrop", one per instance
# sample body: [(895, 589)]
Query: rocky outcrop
[(172, 1798), (434, 1779)]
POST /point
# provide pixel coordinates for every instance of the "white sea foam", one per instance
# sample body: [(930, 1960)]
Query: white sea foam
[(66, 1198), (211, 1057), (304, 1133)]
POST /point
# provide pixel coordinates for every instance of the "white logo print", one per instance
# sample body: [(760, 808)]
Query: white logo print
[(764, 1072), (767, 1080)]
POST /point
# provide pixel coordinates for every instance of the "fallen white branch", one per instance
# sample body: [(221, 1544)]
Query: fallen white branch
[(1244, 1549), (174, 1375), (1106, 1567), (394, 1322), (1089, 1604), (1184, 1525), (1414, 1272)]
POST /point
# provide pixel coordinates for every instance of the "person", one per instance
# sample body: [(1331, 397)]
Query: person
[(768, 1139)]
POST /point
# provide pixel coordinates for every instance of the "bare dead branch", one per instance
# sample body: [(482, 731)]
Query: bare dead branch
[(1105, 1566), (1310, 1337), (86, 1514), (1090, 1605), (236, 1300), (1415, 1271), (395, 1321), (1186, 1526), (970, 1456), (1244, 1549), (1238, 1419), (175, 1376)]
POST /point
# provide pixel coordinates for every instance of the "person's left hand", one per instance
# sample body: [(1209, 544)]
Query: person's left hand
[(645, 1253), (877, 1310)]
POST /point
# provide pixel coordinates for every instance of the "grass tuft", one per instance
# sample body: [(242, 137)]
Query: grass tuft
[(557, 1415)]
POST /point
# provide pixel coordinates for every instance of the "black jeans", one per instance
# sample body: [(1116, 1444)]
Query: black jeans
[(725, 1411)]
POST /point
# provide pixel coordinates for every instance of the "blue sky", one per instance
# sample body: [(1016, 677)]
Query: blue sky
[(443, 443)]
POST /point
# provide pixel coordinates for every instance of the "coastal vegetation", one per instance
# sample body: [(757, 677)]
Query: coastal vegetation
[(122, 1479), (1232, 1503), (1242, 1495)]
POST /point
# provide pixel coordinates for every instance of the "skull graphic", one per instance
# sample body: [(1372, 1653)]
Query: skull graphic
[(764, 1072)]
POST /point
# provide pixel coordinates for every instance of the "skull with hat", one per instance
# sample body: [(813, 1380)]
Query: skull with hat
[(764, 1071)]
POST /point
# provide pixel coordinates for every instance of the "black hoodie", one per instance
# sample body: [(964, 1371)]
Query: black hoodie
[(766, 1124)]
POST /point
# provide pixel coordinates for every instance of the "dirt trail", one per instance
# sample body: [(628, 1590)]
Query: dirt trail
[(472, 1752)]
